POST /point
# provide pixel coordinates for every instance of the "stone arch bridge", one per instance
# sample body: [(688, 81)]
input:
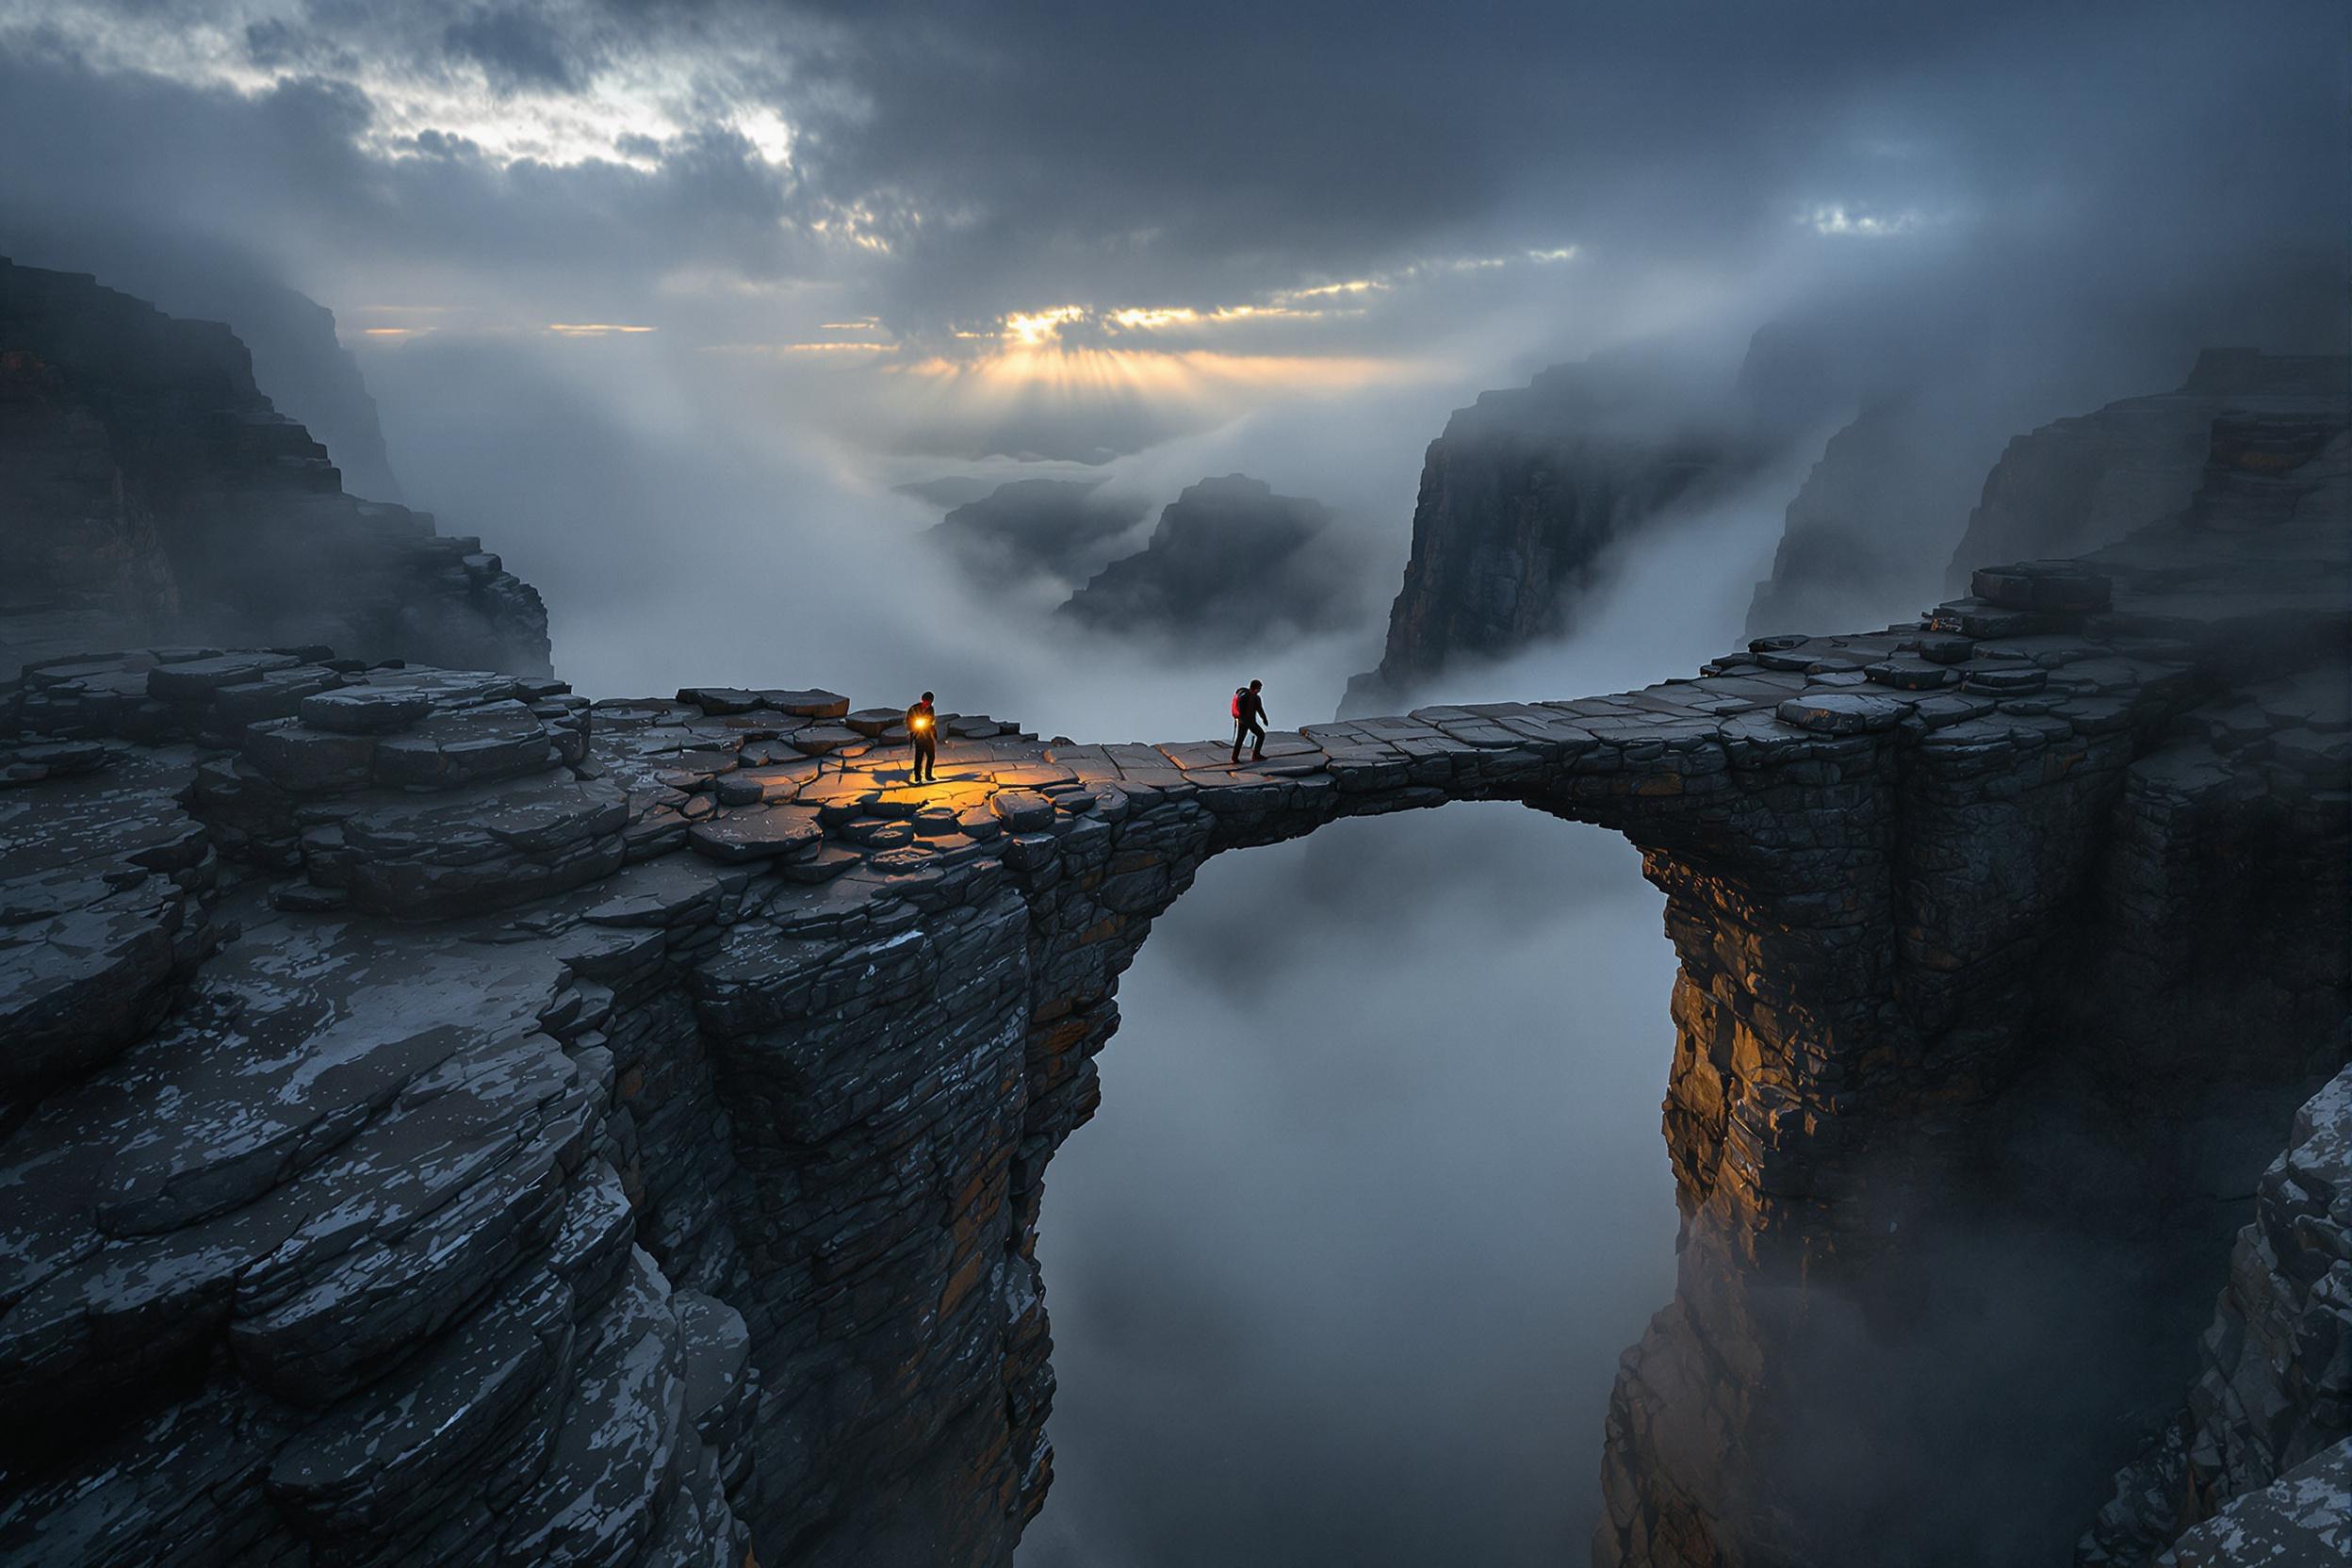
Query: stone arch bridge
[(450, 1121)]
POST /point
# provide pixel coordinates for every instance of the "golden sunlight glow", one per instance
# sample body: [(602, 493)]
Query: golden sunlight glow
[(1179, 316), (1146, 320), (1037, 329), (589, 329), (1034, 353), (1042, 326), (387, 331), (1322, 291), (1134, 354), (1191, 374)]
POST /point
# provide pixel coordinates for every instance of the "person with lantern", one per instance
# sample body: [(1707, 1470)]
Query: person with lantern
[(923, 730)]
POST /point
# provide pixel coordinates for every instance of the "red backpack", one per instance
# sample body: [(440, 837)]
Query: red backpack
[(1239, 692)]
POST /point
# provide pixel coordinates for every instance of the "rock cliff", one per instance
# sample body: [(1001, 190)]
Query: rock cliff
[(298, 358), (2301, 1522), (1526, 490), (447, 1121), (1868, 530), (2275, 1398), (2078, 483), (155, 496)]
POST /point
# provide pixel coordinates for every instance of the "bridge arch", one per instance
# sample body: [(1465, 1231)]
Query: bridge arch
[(1774, 847)]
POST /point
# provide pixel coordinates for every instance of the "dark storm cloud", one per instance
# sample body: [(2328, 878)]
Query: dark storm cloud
[(276, 45), (515, 48), (1014, 157), (1216, 150), (281, 170)]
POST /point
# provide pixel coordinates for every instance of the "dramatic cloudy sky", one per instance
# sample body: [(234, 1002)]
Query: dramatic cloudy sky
[(961, 218)]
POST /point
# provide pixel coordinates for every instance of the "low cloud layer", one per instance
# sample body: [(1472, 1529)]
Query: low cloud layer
[(1341, 1271)]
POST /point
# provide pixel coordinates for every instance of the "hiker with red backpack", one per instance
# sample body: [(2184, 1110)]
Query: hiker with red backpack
[(1248, 719)]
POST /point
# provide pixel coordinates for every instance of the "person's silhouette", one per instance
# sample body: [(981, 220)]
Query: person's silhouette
[(1250, 720), (922, 731)]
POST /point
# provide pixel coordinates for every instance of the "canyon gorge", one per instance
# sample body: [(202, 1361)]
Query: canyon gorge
[(447, 1119)]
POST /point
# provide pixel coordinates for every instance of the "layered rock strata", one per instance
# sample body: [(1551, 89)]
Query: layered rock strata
[(448, 1120), (298, 352), (2077, 484), (152, 494)]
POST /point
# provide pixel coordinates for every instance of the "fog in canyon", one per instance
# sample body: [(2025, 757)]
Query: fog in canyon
[(1341, 1270), (672, 304)]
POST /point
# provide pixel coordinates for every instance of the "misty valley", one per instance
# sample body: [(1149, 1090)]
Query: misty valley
[(692, 702)]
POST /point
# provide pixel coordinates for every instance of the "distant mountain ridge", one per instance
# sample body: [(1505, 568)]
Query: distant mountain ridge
[(1063, 530), (1229, 563)]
